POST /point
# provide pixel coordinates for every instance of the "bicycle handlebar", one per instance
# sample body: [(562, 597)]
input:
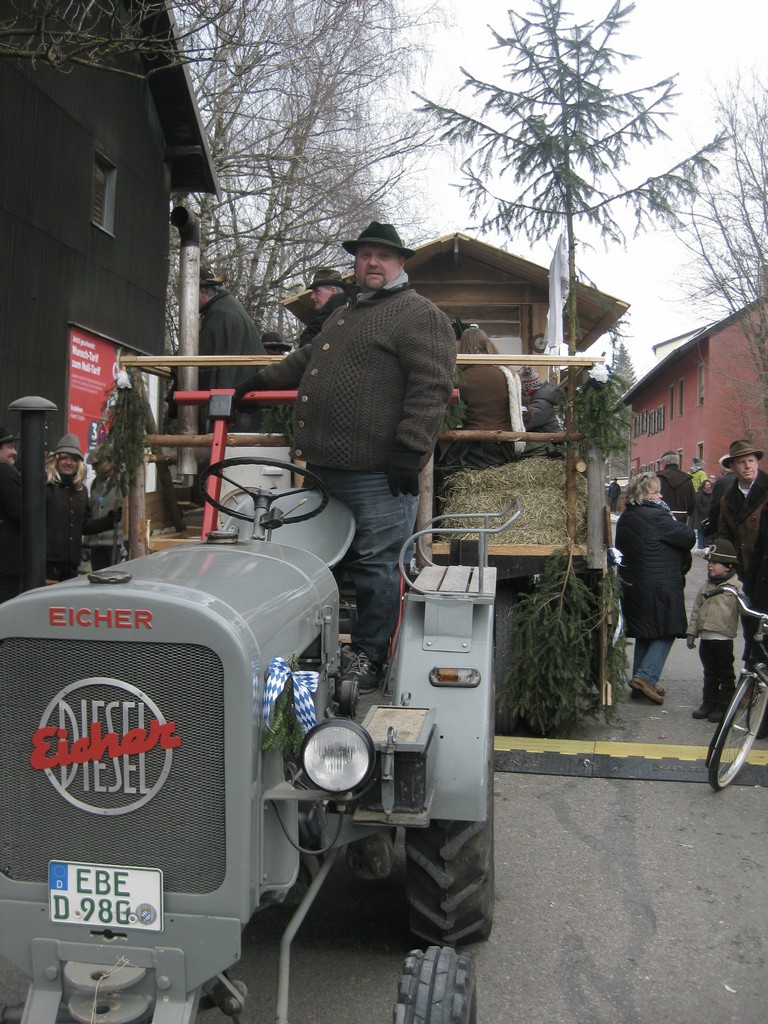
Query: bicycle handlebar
[(752, 613)]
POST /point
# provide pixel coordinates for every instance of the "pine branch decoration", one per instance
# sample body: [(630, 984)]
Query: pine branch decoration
[(284, 733), (600, 414), (125, 445), (557, 625)]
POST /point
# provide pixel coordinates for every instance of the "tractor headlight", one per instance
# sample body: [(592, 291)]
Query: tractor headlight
[(338, 755)]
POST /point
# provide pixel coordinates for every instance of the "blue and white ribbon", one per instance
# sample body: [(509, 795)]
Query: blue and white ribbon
[(304, 684)]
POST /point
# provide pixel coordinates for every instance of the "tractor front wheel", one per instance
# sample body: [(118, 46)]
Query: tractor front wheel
[(437, 987)]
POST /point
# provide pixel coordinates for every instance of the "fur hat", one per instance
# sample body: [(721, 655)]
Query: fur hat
[(6, 437), (738, 450), (68, 445), (722, 551), (378, 234)]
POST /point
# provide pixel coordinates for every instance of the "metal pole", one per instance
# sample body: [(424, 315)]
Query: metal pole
[(189, 324), (32, 412)]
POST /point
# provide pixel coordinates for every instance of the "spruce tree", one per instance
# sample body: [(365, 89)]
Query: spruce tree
[(563, 137)]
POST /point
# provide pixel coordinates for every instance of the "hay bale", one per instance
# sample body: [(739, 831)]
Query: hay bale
[(538, 484)]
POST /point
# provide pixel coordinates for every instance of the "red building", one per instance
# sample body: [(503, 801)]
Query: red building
[(704, 394)]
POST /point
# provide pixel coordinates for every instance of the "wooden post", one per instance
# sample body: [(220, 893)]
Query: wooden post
[(426, 501), (137, 523)]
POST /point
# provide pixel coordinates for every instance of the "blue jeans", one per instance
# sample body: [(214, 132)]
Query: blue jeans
[(650, 656), (383, 523)]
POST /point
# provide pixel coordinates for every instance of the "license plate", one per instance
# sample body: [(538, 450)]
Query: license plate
[(103, 896)]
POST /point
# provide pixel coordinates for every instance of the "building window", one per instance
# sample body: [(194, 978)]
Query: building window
[(103, 194), (661, 418), (680, 397), (672, 401), (700, 385)]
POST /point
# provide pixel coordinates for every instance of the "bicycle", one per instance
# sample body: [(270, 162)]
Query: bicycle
[(737, 730)]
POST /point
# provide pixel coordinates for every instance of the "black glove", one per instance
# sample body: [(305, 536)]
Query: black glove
[(115, 515), (253, 383), (403, 471), (690, 642)]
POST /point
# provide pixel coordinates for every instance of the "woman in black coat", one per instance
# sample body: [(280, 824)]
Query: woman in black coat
[(656, 555), (68, 511)]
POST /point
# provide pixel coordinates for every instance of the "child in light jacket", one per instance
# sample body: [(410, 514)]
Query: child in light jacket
[(715, 621)]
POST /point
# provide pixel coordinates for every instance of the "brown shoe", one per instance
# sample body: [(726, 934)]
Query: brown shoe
[(647, 689)]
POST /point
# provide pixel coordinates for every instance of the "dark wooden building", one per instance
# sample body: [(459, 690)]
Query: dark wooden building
[(87, 167)]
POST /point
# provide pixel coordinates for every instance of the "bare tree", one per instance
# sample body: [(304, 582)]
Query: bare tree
[(307, 134), (727, 230), (99, 34)]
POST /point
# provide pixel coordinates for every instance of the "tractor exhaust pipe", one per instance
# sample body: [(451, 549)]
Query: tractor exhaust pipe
[(188, 226)]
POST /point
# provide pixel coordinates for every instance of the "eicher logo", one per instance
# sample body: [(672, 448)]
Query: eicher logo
[(104, 745)]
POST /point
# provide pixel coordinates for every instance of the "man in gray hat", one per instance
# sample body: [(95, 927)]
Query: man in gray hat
[(327, 293), (372, 393), (744, 501), (10, 517)]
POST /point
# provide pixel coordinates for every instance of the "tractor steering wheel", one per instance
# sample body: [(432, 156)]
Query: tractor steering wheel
[(262, 497)]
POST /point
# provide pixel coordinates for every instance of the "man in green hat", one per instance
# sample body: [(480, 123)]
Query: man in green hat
[(372, 393), (327, 292)]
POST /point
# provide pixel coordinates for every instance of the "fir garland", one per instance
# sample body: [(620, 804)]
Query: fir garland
[(284, 732), (557, 626), (125, 445), (278, 419), (599, 413)]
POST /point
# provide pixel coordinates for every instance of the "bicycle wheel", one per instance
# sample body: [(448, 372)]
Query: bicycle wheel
[(736, 733)]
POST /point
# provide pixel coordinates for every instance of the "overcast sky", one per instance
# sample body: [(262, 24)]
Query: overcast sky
[(705, 44)]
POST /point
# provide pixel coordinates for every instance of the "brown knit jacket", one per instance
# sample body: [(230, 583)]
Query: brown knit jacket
[(379, 373)]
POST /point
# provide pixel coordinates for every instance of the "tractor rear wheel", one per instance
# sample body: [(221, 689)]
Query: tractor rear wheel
[(450, 879), (437, 987)]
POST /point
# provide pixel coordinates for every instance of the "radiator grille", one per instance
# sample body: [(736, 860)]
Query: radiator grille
[(181, 829)]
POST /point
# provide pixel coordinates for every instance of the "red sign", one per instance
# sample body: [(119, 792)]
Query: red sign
[(92, 369)]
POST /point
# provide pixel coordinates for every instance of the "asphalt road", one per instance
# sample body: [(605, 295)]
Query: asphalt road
[(619, 900)]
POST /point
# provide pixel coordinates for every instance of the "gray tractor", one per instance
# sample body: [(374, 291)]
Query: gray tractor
[(146, 813)]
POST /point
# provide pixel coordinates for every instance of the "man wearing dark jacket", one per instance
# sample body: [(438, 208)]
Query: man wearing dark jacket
[(10, 517), (226, 329), (719, 487), (372, 394), (676, 487), (744, 501), (327, 293)]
